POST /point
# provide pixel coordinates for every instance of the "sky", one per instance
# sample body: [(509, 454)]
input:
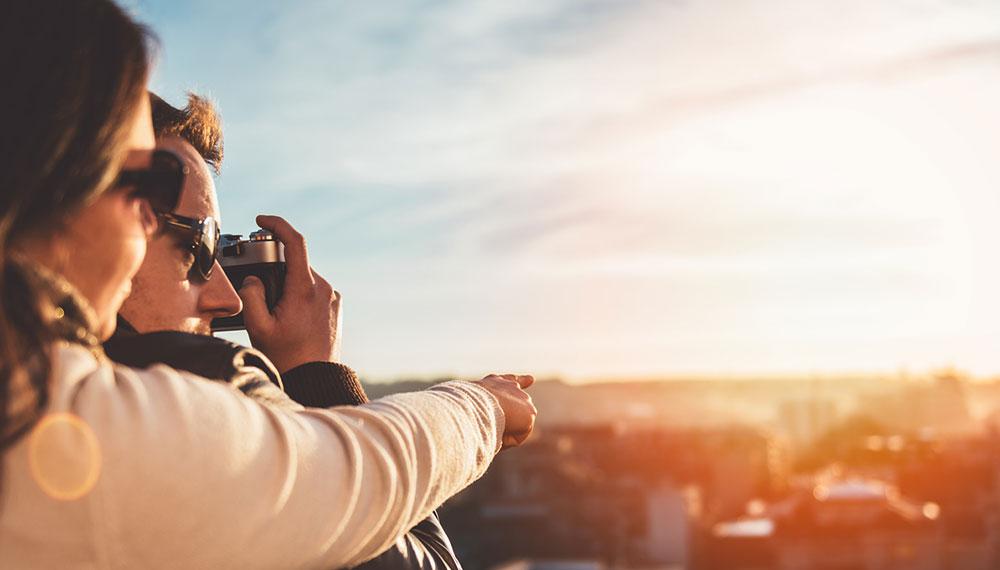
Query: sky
[(597, 189)]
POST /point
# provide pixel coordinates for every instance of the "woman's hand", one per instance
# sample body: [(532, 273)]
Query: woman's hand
[(517, 406)]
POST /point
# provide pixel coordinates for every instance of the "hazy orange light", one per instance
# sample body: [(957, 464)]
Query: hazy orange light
[(932, 510), (64, 456)]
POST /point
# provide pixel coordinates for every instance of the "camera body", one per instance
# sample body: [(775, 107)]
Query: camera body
[(261, 256)]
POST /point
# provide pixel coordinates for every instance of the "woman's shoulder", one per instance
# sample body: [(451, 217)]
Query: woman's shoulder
[(75, 364), (83, 378)]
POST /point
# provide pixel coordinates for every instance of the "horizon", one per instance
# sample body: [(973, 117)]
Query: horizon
[(827, 376), (604, 188)]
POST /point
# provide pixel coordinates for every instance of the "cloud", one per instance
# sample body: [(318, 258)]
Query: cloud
[(708, 168)]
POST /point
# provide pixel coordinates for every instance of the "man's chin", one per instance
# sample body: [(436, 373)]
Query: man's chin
[(189, 326), (202, 327)]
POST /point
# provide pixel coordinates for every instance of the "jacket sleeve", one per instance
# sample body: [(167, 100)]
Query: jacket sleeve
[(324, 384), (195, 476), (425, 546)]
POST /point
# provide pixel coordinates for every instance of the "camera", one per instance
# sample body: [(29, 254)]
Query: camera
[(261, 256)]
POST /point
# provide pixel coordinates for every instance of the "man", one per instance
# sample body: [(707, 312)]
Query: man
[(167, 318)]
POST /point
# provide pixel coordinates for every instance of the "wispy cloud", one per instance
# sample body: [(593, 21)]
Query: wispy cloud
[(444, 155)]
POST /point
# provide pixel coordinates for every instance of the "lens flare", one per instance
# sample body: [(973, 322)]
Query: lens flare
[(64, 456)]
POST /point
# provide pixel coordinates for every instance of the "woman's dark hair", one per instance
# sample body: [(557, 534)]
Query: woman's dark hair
[(73, 76)]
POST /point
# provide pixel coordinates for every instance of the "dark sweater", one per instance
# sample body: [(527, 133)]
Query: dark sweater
[(314, 385)]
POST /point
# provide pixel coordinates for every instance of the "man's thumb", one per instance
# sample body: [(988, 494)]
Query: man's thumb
[(255, 312)]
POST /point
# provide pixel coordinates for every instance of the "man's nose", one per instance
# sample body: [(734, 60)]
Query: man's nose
[(218, 297)]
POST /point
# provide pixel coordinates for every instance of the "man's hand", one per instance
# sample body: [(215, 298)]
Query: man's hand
[(305, 324), (517, 407)]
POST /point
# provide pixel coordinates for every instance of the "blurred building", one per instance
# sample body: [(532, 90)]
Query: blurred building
[(908, 484), (846, 525), (962, 475), (939, 405), (551, 565), (806, 420), (858, 524), (629, 498), (669, 530)]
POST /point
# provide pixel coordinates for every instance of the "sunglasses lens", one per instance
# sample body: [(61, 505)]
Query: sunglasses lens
[(209, 246)]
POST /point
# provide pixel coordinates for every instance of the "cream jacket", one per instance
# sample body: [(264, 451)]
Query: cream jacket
[(156, 468)]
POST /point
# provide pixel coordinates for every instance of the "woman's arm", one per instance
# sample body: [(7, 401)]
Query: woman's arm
[(423, 547), (194, 475), (315, 384)]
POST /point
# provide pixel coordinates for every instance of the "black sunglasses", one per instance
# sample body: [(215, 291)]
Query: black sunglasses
[(200, 236), (160, 184)]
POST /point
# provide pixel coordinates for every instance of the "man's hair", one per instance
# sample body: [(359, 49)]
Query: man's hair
[(198, 123)]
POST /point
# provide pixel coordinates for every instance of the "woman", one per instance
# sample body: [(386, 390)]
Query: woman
[(115, 467)]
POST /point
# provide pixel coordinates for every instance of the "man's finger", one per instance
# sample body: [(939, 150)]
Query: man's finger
[(256, 316), (323, 286), (296, 255)]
